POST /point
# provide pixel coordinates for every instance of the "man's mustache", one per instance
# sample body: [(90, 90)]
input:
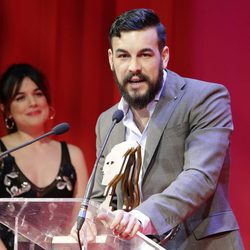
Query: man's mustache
[(141, 77)]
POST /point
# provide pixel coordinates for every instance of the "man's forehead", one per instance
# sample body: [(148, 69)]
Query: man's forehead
[(146, 36)]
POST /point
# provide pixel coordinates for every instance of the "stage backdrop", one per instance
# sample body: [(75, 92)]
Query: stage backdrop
[(67, 40)]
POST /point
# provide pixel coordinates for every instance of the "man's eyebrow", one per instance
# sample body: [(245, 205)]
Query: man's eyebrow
[(146, 50), (141, 51), (121, 51)]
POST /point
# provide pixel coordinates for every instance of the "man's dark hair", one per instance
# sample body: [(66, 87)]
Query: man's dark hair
[(138, 19)]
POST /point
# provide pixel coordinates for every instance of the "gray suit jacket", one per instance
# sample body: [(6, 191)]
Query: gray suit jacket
[(186, 160)]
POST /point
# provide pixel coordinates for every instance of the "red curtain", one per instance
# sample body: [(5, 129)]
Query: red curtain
[(68, 41)]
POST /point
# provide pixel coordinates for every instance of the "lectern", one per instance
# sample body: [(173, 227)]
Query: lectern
[(46, 223)]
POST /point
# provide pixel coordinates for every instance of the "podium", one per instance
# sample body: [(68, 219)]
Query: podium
[(46, 224)]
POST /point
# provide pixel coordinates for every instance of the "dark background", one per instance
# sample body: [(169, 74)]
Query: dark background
[(67, 40)]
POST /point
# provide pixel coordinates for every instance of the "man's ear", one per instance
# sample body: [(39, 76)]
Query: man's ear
[(110, 55), (165, 57)]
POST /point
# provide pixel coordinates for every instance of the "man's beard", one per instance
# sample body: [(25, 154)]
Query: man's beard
[(138, 101)]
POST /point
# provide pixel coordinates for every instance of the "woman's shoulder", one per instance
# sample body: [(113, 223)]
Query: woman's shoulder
[(8, 140), (74, 150), (4, 138)]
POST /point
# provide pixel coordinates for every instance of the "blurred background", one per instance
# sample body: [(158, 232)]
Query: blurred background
[(68, 41)]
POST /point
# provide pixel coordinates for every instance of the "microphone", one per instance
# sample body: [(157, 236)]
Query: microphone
[(57, 130), (116, 118), (60, 128)]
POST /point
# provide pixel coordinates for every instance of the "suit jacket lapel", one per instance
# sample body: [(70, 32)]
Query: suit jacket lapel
[(117, 136), (171, 95)]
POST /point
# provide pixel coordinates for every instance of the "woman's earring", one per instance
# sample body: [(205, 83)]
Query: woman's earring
[(52, 113), (9, 123)]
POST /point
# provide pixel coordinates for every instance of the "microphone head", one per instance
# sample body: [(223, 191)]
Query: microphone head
[(117, 116), (60, 128)]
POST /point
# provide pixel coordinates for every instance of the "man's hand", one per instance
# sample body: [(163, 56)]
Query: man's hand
[(123, 224)]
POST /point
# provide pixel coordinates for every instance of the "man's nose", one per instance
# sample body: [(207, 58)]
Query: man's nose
[(134, 66)]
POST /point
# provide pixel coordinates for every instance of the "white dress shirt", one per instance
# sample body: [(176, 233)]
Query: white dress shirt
[(134, 134)]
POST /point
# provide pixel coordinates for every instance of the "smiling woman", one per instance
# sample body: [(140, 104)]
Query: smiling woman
[(29, 106), (47, 168)]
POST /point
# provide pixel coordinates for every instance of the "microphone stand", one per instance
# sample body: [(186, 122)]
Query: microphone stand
[(85, 204), (116, 118)]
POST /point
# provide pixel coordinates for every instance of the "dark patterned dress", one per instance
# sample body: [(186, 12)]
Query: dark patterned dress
[(13, 183)]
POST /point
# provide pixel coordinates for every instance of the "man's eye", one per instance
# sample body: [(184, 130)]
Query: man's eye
[(122, 56)]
